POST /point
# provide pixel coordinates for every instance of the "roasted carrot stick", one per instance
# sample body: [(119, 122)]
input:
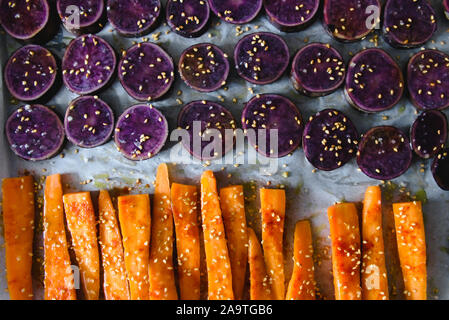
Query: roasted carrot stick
[(260, 288), (81, 223), (233, 209), (217, 256), (302, 283), (410, 234), (59, 282), (185, 213), (135, 222), (18, 219), (273, 216), (162, 277), (115, 284), (345, 236), (374, 272)]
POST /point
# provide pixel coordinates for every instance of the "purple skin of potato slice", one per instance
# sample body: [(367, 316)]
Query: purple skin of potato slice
[(88, 122), (384, 153), (273, 112), (446, 8), (141, 132), (35, 132), (91, 19), (236, 11), (291, 15), (88, 64), (188, 18), (374, 81), (30, 72), (261, 58), (429, 133), (146, 71), (204, 67), (199, 118), (330, 140), (133, 18), (350, 20), (428, 80), (408, 23), (318, 70), (440, 169)]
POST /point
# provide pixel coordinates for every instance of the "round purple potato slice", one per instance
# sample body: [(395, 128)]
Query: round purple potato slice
[(88, 64), (30, 72), (92, 16), (440, 169), (261, 58), (408, 24), (267, 112), (88, 122), (236, 11), (291, 15), (35, 132), (201, 119), (350, 20), (374, 81), (133, 18), (330, 140), (384, 153), (318, 70), (429, 133), (204, 67), (428, 80), (188, 18), (146, 71), (141, 132)]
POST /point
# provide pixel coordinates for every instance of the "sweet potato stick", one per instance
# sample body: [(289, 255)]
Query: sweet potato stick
[(260, 288)]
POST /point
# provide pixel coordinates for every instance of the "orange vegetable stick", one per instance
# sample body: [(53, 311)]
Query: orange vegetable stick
[(217, 256), (162, 277), (185, 213), (18, 220), (59, 282), (115, 284), (273, 216), (302, 283), (374, 272), (233, 209), (135, 222), (260, 288), (81, 223), (410, 234), (345, 236)]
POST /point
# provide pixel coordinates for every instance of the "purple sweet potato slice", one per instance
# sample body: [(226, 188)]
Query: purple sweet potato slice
[(30, 73), (446, 8), (346, 20), (384, 153), (88, 122), (88, 64), (35, 132), (374, 81), (318, 70), (273, 112), (440, 169), (141, 132), (330, 140), (291, 15), (188, 18), (236, 11), (133, 18), (146, 71), (92, 15), (200, 118), (204, 67), (428, 80), (429, 133), (408, 24), (261, 58)]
